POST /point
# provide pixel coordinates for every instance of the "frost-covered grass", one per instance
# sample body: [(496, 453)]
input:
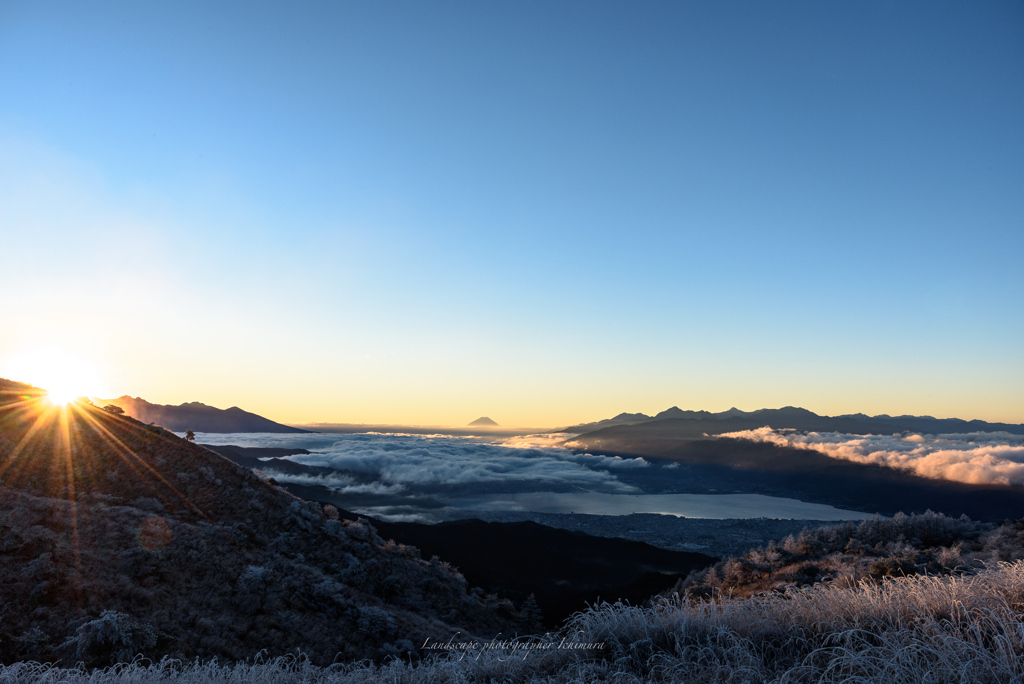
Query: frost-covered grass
[(965, 629)]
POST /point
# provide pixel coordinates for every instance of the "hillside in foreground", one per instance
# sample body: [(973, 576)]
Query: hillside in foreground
[(914, 630), (118, 538)]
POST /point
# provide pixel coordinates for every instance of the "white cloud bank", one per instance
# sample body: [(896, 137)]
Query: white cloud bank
[(973, 458), (391, 462)]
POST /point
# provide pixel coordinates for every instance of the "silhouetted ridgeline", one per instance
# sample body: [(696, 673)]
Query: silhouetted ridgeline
[(119, 538), (702, 423), (198, 417), (274, 459)]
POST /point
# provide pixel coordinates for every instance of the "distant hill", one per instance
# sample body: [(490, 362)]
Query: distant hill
[(621, 419), (196, 416), (484, 421), (704, 422), (122, 538), (930, 425)]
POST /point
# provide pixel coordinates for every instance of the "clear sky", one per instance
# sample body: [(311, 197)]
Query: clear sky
[(542, 212)]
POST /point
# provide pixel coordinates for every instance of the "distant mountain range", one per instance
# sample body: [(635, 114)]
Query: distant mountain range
[(705, 422), (484, 421), (196, 416)]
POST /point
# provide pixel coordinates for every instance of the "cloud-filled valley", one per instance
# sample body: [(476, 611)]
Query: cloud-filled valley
[(973, 458), (391, 463)]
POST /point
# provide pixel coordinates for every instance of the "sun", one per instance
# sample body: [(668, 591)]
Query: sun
[(61, 395), (64, 377)]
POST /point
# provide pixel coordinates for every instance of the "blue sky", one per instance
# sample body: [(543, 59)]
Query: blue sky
[(542, 212)]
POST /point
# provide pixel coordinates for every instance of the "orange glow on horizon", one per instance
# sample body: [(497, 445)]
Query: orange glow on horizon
[(63, 377)]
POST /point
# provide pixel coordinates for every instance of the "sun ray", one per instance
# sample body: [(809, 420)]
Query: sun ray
[(72, 498), (42, 419), (69, 474), (119, 446)]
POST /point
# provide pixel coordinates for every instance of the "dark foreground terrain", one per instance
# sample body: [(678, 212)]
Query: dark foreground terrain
[(947, 611), (721, 538), (565, 571)]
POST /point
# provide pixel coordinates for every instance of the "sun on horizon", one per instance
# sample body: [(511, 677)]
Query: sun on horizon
[(64, 377)]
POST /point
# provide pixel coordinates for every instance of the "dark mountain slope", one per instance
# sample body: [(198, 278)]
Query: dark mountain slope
[(702, 422), (564, 570), (231, 451), (272, 459), (118, 537), (929, 425), (687, 428), (198, 417), (621, 419)]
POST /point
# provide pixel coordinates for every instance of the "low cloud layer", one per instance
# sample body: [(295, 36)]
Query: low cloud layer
[(974, 458), (392, 462), (341, 483)]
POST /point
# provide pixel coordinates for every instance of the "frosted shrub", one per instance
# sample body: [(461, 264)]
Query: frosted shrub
[(354, 573), (252, 588), (376, 622), (112, 638), (357, 529), (949, 557)]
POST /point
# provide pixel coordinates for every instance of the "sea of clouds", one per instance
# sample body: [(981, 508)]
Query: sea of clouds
[(389, 463), (973, 458)]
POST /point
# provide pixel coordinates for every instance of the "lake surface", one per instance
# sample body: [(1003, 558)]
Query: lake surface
[(722, 506)]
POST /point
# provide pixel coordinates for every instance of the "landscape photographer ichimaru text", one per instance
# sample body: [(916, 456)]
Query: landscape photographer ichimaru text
[(525, 646)]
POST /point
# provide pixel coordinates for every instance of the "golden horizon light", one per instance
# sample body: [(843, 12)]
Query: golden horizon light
[(64, 377)]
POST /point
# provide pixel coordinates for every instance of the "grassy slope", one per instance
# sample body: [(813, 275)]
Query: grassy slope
[(920, 629)]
